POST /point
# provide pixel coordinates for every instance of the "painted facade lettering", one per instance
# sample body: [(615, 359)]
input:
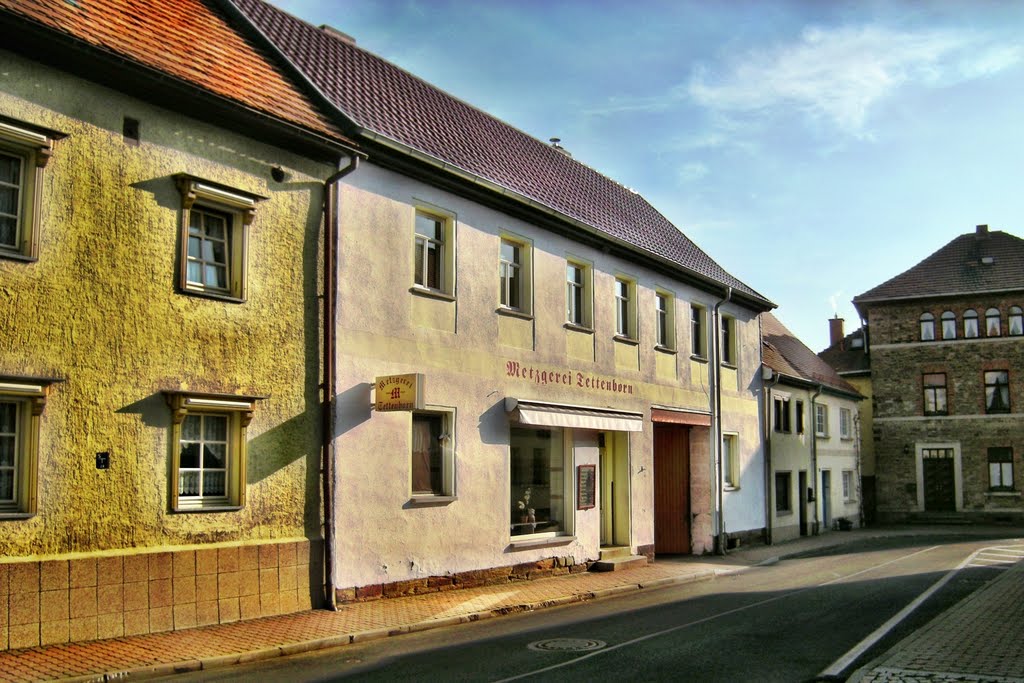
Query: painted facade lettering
[(579, 380)]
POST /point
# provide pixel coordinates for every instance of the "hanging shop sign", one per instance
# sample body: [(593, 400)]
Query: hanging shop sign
[(398, 392)]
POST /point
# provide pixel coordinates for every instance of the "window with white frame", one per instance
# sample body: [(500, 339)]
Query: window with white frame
[(208, 449), (927, 324), (697, 341), (934, 384), (215, 221), (625, 308), (1015, 321), (433, 453), (1000, 469), (514, 272), (24, 153), (845, 423), (820, 419), (22, 400), (579, 294), (728, 340), (948, 325), (730, 462), (434, 253), (970, 324), (537, 474), (848, 488), (665, 319)]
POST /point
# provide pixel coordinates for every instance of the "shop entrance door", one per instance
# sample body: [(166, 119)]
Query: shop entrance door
[(614, 499), (671, 489)]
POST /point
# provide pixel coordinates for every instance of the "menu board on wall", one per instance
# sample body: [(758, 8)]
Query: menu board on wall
[(586, 487)]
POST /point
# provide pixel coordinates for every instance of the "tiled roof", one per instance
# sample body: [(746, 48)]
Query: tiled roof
[(383, 100), (787, 355), (184, 39), (845, 358), (980, 261)]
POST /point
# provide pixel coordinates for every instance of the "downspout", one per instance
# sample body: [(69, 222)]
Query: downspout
[(814, 458), (331, 233), (768, 483), (716, 422)]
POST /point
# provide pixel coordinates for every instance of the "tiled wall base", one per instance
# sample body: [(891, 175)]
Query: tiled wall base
[(555, 566), (89, 598)]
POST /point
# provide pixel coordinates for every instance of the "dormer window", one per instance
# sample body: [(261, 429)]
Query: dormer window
[(927, 327)]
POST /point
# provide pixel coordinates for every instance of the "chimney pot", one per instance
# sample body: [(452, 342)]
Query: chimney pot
[(835, 330), (981, 230)]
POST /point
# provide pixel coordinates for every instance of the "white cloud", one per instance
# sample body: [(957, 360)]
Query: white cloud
[(839, 74), (692, 172)]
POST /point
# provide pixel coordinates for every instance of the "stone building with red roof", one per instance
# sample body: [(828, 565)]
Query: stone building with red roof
[(946, 343)]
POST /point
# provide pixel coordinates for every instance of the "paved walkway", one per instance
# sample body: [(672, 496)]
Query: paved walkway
[(992, 617)]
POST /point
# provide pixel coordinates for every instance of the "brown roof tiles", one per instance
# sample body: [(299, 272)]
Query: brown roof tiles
[(787, 355)]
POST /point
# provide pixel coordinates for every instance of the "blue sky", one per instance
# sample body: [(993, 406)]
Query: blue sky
[(814, 149)]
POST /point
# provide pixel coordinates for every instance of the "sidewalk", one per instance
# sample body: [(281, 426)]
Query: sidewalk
[(226, 644)]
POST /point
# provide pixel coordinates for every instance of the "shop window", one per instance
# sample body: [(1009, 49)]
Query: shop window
[(433, 454), (24, 153), (625, 308), (697, 342), (728, 340), (997, 391), (215, 221), (515, 274), (992, 322), (664, 308), (949, 325), (935, 393), (845, 423), (208, 449), (783, 493), (782, 418), (1015, 322), (537, 468), (821, 420), (22, 401), (970, 324), (433, 262), (1000, 469), (927, 321), (730, 462), (579, 295)]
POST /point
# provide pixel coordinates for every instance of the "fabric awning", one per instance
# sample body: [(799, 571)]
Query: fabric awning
[(680, 417), (538, 414)]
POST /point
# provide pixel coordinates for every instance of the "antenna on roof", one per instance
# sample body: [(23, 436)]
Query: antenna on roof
[(555, 142)]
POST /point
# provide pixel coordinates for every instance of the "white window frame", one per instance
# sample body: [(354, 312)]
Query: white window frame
[(445, 246), (32, 147), (821, 420), (845, 423), (523, 270), (665, 319), (730, 461), (1000, 472), (849, 490), (579, 314), (625, 308), (446, 492), (239, 207), (28, 395), (238, 411)]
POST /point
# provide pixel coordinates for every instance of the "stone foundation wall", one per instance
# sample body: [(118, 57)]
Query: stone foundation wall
[(88, 598), (554, 566)]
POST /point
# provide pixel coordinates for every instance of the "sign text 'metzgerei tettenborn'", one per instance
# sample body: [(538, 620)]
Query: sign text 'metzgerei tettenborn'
[(566, 378)]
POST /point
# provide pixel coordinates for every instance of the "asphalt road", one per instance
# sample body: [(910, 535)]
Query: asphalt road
[(786, 622)]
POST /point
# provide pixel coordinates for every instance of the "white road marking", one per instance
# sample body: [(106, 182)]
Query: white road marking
[(679, 627)]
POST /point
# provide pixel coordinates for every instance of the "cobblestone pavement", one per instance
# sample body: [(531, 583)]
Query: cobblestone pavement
[(225, 644), (979, 639)]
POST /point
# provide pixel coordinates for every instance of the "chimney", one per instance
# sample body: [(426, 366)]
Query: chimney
[(981, 232), (835, 330)]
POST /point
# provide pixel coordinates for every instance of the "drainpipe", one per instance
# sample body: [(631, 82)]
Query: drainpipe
[(814, 457), (331, 232), (716, 422), (768, 483)]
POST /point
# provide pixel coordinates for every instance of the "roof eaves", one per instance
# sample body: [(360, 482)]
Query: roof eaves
[(932, 295)]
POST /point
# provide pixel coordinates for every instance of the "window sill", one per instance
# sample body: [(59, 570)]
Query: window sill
[(846, 438), (17, 256), (822, 436), (16, 515), (731, 366), (426, 501), (727, 488), (549, 542), (942, 414), (698, 358), (513, 313), (210, 508), (783, 513), (578, 328), (626, 340), (431, 293), (211, 295), (1003, 494), (665, 349)]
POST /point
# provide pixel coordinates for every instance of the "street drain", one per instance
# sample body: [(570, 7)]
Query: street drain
[(567, 645)]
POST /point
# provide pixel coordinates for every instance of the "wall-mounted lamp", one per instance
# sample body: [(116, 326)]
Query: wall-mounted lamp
[(278, 174)]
